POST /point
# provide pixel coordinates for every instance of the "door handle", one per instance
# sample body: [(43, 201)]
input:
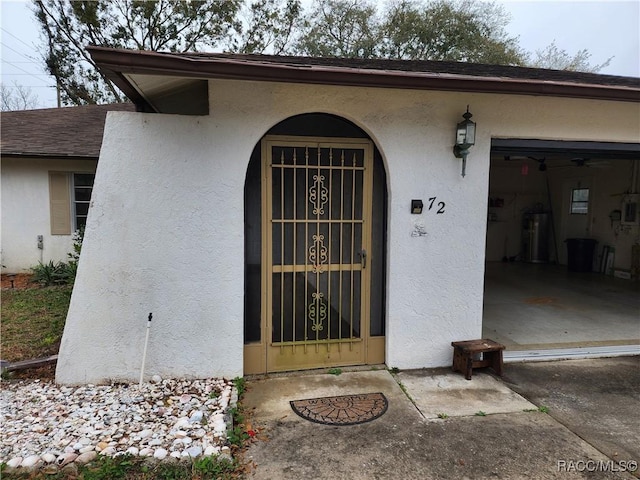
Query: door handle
[(363, 258)]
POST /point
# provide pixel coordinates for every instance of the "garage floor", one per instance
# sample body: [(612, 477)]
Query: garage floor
[(538, 307)]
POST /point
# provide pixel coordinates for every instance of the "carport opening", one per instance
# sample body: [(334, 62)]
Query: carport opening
[(563, 247)]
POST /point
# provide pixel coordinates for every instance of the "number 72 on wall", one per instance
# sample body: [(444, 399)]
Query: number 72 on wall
[(440, 205)]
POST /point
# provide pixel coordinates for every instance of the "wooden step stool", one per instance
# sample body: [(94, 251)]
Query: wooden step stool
[(465, 356)]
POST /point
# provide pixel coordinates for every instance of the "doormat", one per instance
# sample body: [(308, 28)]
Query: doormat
[(342, 410)]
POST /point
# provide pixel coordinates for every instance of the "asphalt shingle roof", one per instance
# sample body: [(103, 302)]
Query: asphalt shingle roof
[(425, 66), (56, 132)]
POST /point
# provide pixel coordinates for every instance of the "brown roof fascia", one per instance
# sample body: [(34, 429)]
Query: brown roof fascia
[(115, 63), (45, 156)]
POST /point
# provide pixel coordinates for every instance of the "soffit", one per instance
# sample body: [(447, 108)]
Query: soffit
[(147, 76)]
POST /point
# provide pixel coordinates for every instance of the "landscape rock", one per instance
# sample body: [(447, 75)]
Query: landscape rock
[(66, 458), (86, 457), (14, 462), (48, 457), (51, 425), (160, 453), (31, 461)]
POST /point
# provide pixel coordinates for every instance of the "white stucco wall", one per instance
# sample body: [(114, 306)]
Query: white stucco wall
[(165, 231), (26, 213)]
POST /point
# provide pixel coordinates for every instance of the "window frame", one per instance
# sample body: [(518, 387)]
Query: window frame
[(75, 202), (579, 207), (63, 211)]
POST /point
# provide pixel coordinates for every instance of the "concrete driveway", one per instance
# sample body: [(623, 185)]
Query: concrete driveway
[(440, 426)]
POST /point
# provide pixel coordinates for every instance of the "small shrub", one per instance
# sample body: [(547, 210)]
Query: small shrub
[(48, 274), (71, 268), (335, 371), (237, 435), (60, 273), (240, 384)]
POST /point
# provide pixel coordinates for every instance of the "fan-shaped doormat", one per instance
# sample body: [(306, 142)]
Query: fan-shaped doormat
[(342, 410)]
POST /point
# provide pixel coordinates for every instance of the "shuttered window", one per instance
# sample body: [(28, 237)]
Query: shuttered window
[(60, 203), (70, 196)]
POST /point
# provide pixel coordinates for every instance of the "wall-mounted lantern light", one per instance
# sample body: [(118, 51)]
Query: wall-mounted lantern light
[(465, 139), (416, 207)]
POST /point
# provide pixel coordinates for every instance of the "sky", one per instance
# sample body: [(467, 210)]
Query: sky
[(606, 28)]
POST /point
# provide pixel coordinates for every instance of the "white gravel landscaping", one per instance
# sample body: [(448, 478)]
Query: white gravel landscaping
[(46, 425)]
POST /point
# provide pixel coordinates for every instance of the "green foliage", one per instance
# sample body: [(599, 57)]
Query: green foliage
[(394, 370), (110, 468), (173, 25), (271, 26), (237, 435), (480, 413), (213, 467), (443, 416), (33, 321), (129, 467), (240, 384), (78, 237), (48, 274), (467, 31), (60, 273), (470, 31), (71, 268), (335, 371), (341, 28)]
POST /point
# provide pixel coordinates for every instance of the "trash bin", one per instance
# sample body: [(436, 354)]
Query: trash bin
[(580, 254)]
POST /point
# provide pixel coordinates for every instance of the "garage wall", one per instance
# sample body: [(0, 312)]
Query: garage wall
[(165, 232), (521, 187), (26, 213)]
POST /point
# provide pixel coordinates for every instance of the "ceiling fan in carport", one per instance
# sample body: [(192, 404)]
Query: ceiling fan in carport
[(579, 162), (587, 162)]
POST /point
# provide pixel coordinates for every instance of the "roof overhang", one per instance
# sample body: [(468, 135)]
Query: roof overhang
[(161, 82)]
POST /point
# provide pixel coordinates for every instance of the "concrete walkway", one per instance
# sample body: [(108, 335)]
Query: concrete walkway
[(438, 426)]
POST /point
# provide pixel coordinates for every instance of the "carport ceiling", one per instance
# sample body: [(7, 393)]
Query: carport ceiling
[(516, 149)]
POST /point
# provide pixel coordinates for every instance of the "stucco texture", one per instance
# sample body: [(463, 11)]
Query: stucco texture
[(25, 211), (165, 229)]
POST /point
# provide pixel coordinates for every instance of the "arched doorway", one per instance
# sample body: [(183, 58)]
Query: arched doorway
[(315, 242)]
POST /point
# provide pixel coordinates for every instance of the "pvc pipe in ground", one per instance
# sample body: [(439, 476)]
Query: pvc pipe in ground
[(144, 352)]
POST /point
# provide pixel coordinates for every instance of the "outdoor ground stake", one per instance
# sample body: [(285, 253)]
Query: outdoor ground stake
[(144, 352)]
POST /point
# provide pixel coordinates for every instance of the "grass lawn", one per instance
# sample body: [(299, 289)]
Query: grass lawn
[(33, 321)]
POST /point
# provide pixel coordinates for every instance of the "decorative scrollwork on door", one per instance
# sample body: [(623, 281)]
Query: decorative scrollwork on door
[(317, 312), (318, 195), (318, 254)]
